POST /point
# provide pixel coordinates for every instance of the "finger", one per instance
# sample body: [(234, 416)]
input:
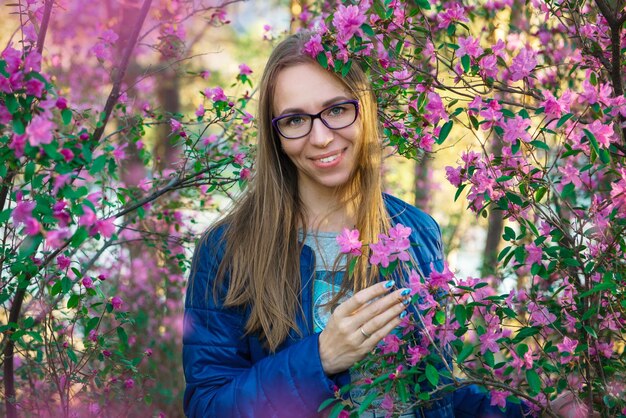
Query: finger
[(383, 304), (380, 321), (363, 297), (382, 332)]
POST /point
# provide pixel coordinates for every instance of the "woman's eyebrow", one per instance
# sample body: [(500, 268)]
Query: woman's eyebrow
[(326, 103)]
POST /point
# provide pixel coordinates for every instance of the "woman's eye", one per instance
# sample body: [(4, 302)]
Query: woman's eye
[(293, 121), (336, 111)]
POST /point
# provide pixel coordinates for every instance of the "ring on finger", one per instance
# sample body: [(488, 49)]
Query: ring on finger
[(365, 334)]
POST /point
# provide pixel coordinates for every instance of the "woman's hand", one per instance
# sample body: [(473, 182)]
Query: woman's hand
[(359, 323)]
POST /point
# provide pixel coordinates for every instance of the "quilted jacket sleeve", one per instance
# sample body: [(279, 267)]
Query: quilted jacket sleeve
[(222, 380)]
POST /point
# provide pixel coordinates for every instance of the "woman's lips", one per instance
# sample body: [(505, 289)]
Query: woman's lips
[(328, 160)]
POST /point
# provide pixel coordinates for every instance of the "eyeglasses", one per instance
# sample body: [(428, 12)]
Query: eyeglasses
[(337, 116)]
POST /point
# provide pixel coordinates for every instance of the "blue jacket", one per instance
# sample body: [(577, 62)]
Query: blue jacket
[(229, 375)]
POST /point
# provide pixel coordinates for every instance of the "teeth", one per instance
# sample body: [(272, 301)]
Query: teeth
[(329, 159)]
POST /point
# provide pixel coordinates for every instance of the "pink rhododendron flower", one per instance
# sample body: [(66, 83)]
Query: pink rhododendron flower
[(349, 243), (348, 21), (216, 94), (117, 302), (539, 315), (39, 131), (416, 354), (488, 66), (604, 133), (516, 128), (32, 62), (55, 239), (129, 383), (391, 344), (498, 397), (244, 174), (523, 64), (441, 280), (435, 109), (88, 218), (34, 87), (87, 282), (454, 175), (488, 341), (67, 154), (175, 125), (23, 212), (106, 227), (534, 254), (63, 262), (244, 69), (387, 404), (247, 118), (568, 347), (32, 227), (200, 110), (469, 46), (313, 46)]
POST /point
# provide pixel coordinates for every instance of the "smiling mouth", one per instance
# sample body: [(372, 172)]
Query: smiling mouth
[(328, 158)]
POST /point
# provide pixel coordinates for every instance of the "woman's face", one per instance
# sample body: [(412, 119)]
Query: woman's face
[(325, 158)]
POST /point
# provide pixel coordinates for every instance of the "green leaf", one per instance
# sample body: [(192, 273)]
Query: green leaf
[(18, 126), (367, 29), (5, 215), (73, 301), (346, 69), (351, 266), (72, 355), (592, 140), (326, 404), (468, 349), (465, 62), (533, 381), (424, 4), (66, 284), (460, 314), (121, 334), (322, 59), (98, 165), (459, 191), (432, 374), (599, 288), (91, 324), (564, 119), (540, 193), (540, 144), (509, 234), (79, 237), (444, 132), (334, 413), (367, 401), (11, 103), (66, 114)]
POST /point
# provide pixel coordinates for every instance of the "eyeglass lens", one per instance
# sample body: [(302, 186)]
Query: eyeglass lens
[(337, 116)]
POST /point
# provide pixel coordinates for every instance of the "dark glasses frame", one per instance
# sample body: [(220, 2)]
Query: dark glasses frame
[(316, 116)]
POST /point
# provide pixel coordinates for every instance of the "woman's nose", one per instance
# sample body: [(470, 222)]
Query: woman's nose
[(320, 134)]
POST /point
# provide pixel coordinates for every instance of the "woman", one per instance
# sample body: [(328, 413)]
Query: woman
[(272, 326)]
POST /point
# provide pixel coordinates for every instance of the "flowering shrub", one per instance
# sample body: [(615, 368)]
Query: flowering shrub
[(546, 108), (93, 249)]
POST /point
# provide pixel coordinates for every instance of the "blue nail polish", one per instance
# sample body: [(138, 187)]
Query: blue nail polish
[(405, 292), (403, 314), (405, 302), (390, 284)]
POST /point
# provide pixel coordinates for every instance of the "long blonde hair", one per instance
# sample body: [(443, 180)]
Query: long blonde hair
[(262, 249)]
